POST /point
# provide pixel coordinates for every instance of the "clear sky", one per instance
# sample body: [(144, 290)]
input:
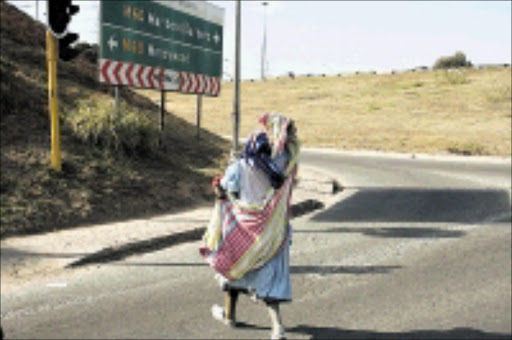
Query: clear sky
[(346, 36)]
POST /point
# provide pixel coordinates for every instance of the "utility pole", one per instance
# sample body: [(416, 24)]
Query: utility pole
[(51, 62), (264, 43), (58, 41), (236, 95)]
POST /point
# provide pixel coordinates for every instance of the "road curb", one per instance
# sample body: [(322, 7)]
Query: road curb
[(117, 253)]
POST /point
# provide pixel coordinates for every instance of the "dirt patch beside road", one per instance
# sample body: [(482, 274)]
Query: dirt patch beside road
[(34, 258)]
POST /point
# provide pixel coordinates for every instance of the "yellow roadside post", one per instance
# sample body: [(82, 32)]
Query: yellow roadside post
[(51, 61)]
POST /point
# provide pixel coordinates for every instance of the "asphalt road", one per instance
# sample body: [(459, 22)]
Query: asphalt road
[(414, 248)]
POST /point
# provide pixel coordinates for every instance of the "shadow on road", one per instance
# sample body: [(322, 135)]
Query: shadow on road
[(296, 269), (418, 205), (340, 333), (404, 232), (357, 270)]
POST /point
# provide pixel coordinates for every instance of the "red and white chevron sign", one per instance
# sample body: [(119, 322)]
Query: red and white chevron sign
[(136, 75), (199, 83)]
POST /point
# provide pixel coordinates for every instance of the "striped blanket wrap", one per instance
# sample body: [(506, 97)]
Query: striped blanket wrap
[(240, 238)]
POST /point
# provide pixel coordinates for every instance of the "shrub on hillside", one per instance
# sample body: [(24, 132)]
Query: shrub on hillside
[(453, 77), (455, 61), (131, 132)]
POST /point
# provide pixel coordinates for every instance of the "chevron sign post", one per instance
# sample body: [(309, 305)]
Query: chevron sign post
[(163, 45)]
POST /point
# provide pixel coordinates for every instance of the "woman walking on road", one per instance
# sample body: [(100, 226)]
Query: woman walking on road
[(247, 241)]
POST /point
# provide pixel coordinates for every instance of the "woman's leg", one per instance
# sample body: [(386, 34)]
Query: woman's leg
[(275, 318), (227, 314), (230, 305)]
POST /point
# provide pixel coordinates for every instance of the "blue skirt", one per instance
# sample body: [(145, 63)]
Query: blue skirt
[(271, 282)]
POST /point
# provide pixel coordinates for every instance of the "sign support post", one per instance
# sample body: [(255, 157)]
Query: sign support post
[(51, 59), (161, 119), (199, 108), (116, 100)]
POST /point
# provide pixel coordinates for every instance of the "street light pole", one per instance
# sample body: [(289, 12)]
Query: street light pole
[(236, 95), (264, 43)]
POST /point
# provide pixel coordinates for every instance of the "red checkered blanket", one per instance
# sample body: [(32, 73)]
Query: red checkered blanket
[(239, 239)]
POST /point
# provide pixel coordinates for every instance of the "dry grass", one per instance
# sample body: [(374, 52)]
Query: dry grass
[(111, 169), (465, 112)]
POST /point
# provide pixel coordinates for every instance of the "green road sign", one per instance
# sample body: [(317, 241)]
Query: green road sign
[(170, 45)]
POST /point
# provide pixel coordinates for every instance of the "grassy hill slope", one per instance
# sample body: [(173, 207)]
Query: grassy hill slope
[(111, 169), (441, 112)]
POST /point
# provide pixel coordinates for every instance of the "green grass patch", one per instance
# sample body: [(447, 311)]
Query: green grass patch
[(130, 131), (468, 149)]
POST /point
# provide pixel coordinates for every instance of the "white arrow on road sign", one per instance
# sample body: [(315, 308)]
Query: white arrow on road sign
[(112, 43), (216, 38)]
